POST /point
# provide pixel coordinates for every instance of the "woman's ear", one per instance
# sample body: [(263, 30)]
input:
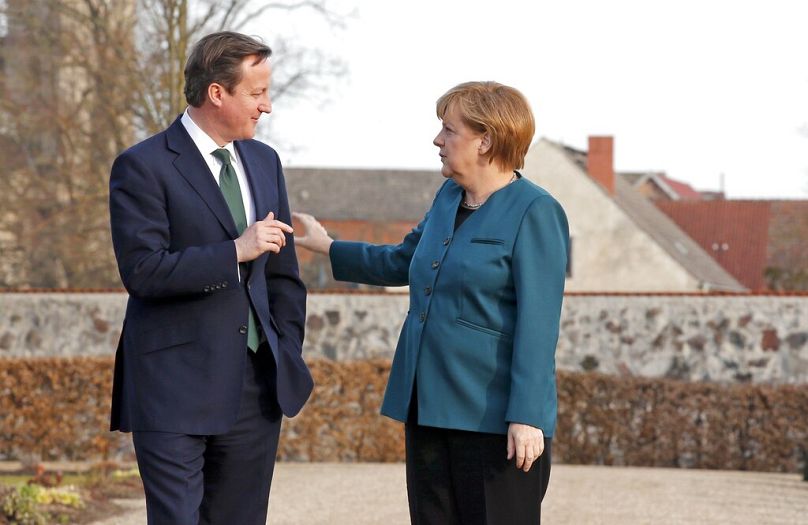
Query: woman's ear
[(485, 144)]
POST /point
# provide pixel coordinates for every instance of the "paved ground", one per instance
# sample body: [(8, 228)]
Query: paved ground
[(358, 494)]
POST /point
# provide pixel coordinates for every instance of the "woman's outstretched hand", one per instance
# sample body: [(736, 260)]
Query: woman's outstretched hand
[(316, 237)]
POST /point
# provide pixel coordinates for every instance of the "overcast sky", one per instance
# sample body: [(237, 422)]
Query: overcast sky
[(692, 88)]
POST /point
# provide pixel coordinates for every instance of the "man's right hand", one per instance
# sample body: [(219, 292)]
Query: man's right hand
[(268, 235)]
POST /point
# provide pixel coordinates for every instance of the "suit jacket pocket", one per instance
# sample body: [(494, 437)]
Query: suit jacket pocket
[(483, 329), (485, 240), (275, 325), (166, 337)]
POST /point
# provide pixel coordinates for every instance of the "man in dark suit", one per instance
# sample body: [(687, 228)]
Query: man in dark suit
[(210, 353)]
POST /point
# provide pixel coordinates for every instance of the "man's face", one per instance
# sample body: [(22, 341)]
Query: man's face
[(241, 110)]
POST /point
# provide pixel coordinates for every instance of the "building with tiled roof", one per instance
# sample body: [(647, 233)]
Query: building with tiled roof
[(656, 185), (366, 194), (762, 243), (620, 240)]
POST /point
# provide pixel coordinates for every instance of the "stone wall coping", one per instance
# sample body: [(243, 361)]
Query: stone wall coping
[(762, 293)]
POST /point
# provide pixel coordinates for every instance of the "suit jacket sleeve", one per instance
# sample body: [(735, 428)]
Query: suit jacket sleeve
[(287, 293), (141, 236), (539, 268), (377, 264)]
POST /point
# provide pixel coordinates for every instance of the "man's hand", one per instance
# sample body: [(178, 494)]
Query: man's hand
[(268, 235), (526, 442)]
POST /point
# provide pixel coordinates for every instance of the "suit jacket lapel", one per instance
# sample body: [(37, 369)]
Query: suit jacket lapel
[(192, 167), (257, 183), (446, 210)]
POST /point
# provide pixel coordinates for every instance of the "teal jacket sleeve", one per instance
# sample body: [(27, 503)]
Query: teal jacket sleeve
[(378, 264), (539, 268)]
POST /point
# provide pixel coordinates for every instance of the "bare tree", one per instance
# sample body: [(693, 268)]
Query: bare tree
[(82, 80), (62, 121), (170, 27)]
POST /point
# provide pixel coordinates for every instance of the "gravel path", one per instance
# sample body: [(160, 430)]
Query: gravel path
[(341, 494)]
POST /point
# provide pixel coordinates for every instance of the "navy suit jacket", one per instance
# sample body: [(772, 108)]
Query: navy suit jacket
[(485, 303), (180, 362)]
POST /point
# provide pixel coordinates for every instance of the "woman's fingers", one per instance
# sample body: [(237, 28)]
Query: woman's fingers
[(511, 447), (316, 237), (310, 224), (305, 218), (526, 443), (531, 454)]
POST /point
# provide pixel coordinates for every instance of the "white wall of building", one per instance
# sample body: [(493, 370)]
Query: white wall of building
[(609, 251)]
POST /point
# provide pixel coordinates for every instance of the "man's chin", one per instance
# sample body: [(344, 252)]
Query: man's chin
[(248, 135)]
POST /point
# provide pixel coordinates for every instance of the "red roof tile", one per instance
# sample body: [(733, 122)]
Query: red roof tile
[(734, 232), (788, 243), (683, 189)]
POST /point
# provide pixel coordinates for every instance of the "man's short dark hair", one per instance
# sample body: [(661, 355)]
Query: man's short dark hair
[(217, 58)]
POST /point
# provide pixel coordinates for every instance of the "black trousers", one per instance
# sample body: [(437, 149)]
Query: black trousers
[(464, 478), (219, 479)]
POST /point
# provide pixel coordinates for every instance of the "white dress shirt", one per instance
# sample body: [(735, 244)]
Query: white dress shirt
[(207, 146)]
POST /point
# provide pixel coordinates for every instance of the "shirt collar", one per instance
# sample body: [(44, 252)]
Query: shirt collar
[(204, 143)]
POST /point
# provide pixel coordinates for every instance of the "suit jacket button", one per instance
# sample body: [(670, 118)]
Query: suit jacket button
[(427, 290), (446, 241), (242, 329), (422, 317), (435, 264)]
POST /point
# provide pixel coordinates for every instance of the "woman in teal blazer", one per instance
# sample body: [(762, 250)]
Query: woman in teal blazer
[(473, 375)]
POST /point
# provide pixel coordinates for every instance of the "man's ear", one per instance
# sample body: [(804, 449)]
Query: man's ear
[(215, 94)]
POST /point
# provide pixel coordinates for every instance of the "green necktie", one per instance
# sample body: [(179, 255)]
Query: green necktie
[(228, 182)]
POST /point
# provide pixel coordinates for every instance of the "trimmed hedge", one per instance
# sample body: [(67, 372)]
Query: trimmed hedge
[(57, 409)]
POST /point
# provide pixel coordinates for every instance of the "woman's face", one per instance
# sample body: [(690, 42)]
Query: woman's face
[(459, 145)]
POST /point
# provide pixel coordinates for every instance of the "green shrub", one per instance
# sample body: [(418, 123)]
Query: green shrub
[(20, 507)]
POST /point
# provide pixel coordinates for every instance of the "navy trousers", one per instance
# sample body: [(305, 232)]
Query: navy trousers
[(219, 479)]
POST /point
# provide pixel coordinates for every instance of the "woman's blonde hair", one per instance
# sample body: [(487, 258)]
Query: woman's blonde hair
[(499, 110)]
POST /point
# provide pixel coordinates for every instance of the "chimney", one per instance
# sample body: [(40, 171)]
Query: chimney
[(600, 161)]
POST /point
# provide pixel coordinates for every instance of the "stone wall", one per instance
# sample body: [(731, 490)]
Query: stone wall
[(60, 324), (726, 338), (12, 268)]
